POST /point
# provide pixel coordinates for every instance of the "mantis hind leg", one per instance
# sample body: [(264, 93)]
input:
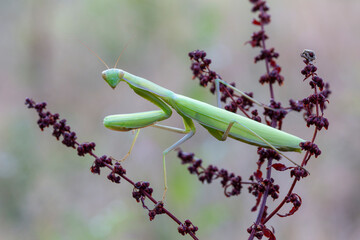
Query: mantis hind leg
[(226, 134), (217, 91)]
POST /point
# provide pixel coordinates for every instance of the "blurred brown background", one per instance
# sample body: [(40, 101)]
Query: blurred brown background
[(48, 192)]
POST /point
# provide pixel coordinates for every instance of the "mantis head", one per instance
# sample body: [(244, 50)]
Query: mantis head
[(113, 76)]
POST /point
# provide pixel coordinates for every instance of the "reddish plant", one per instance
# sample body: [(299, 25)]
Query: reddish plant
[(261, 186), (141, 190)]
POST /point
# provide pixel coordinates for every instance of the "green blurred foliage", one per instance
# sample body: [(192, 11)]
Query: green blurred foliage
[(48, 192)]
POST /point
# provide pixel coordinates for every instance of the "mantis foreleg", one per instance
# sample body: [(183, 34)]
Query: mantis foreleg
[(126, 122)]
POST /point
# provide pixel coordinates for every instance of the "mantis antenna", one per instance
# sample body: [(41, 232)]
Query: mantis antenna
[(95, 54), (122, 51)]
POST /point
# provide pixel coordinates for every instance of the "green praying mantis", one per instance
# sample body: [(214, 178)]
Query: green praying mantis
[(219, 122)]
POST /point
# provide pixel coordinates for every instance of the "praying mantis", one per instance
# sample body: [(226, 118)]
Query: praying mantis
[(217, 121)]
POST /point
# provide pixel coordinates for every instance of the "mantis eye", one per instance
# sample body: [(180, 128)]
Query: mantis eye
[(103, 76), (121, 74)]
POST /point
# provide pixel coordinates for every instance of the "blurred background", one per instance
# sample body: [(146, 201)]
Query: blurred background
[(48, 192)]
